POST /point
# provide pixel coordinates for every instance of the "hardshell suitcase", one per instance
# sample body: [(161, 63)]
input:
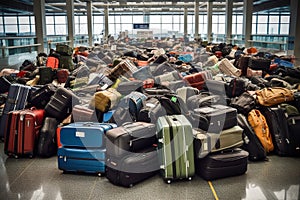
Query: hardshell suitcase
[(232, 162), (5, 84), (82, 160), (84, 134), (185, 92), (170, 76), (16, 100), (130, 137), (205, 142), (125, 68), (52, 62), (175, 147), (132, 168), (228, 68), (23, 132), (42, 96), (151, 111)]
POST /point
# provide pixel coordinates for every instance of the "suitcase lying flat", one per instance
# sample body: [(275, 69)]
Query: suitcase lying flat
[(130, 137), (84, 134), (217, 165), (175, 146), (205, 143), (81, 160), (132, 168)]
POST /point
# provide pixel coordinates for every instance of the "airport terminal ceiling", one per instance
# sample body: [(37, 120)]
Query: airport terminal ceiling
[(146, 6)]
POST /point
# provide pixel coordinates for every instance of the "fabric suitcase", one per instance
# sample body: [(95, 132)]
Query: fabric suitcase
[(62, 75), (170, 76), (81, 160), (130, 137), (258, 63), (84, 134), (185, 92), (102, 80), (228, 68), (294, 127), (46, 75), (125, 88), (16, 100), (47, 145), (124, 68), (142, 73), (61, 103), (23, 132), (105, 100), (52, 62), (162, 69), (205, 142), (243, 64), (174, 85), (274, 96), (215, 118), (278, 126), (175, 146), (151, 111), (244, 103), (216, 86), (217, 165), (64, 49), (132, 168), (204, 99), (5, 84), (81, 113), (42, 96), (66, 62)]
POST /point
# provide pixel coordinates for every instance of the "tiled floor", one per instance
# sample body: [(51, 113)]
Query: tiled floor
[(37, 178)]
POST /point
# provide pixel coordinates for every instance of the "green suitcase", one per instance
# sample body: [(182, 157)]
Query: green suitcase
[(66, 62), (175, 146)]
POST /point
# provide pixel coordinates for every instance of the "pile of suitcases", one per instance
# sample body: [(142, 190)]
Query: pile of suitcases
[(133, 112)]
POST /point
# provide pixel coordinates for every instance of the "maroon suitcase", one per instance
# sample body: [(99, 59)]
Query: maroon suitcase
[(197, 80), (22, 135), (62, 75)]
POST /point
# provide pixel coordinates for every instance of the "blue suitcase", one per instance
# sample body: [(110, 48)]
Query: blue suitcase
[(84, 134), (81, 160)]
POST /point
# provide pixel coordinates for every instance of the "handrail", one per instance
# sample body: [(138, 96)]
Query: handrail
[(23, 46), (67, 41), (266, 42), (17, 37)]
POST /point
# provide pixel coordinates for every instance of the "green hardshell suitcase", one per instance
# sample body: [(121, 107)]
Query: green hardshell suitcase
[(175, 146)]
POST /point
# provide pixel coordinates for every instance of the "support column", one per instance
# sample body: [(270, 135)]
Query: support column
[(228, 22), (40, 25), (294, 39), (247, 21), (106, 23), (185, 21), (209, 21), (70, 19), (90, 21), (196, 35)]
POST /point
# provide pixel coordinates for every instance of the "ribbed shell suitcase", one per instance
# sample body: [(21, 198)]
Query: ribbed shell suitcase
[(16, 100), (124, 68), (228, 163), (205, 143), (175, 146), (227, 68), (132, 168), (81, 160), (130, 137), (84, 134), (215, 118)]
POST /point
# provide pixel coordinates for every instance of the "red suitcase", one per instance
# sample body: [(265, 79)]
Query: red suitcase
[(24, 127), (197, 80)]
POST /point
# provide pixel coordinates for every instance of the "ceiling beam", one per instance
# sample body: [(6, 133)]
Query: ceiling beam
[(270, 5)]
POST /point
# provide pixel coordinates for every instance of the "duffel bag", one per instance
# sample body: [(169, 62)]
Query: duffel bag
[(274, 96)]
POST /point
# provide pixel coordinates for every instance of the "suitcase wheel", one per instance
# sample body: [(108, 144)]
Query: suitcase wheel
[(190, 178), (131, 185), (16, 156), (99, 174), (168, 181)]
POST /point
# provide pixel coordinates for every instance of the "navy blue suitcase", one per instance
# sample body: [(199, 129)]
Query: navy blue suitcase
[(81, 160), (84, 134)]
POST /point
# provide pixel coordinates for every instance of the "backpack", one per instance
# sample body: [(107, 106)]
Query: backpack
[(259, 124)]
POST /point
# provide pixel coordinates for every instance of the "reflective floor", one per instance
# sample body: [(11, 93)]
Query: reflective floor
[(279, 178)]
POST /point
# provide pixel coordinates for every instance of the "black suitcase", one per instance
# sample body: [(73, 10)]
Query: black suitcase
[(204, 99), (214, 118), (5, 84), (47, 145), (130, 137), (278, 126), (258, 63), (61, 104), (16, 100), (251, 142), (132, 168), (46, 75), (151, 111), (42, 96), (232, 162)]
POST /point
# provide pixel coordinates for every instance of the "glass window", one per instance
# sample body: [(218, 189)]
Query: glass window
[(176, 27), (32, 19), (240, 19), (111, 29), (166, 28), (254, 17), (77, 29), (1, 30), (176, 19), (273, 28), (98, 28), (98, 19), (273, 19), (23, 20), (24, 29), (126, 19), (111, 19), (155, 28), (222, 19), (284, 29), (83, 29), (127, 27), (166, 19), (60, 19), (203, 29), (215, 28), (155, 19), (233, 28), (117, 19), (214, 19), (50, 30), (61, 29), (221, 29), (262, 19), (83, 19), (285, 19), (262, 29), (11, 29), (1, 21), (234, 19), (138, 19), (10, 20), (253, 28), (190, 18), (76, 19), (239, 28), (33, 29), (49, 20)]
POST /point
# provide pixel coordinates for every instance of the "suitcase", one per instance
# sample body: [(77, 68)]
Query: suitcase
[(126, 88), (205, 142), (214, 118), (81, 160), (232, 162), (197, 80), (42, 96), (124, 68), (251, 142), (162, 69), (52, 62), (23, 132), (105, 100), (278, 126), (243, 64), (258, 63), (130, 137), (170, 76), (46, 75), (244, 103), (216, 86), (84, 134), (62, 75), (66, 62), (142, 73), (16, 100), (228, 68), (185, 92), (64, 49), (132, 168), (151, 111), (175, 148), (61, 104), (81, 113), (174, 85), (204, 99), (5, 84), (47, 144)]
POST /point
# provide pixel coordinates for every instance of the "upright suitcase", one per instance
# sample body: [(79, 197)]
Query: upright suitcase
[(232, 162), (175, 146), (132, 168), (5, 84), (23, 132), (16, 100), (42, 96), (130, 137)]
